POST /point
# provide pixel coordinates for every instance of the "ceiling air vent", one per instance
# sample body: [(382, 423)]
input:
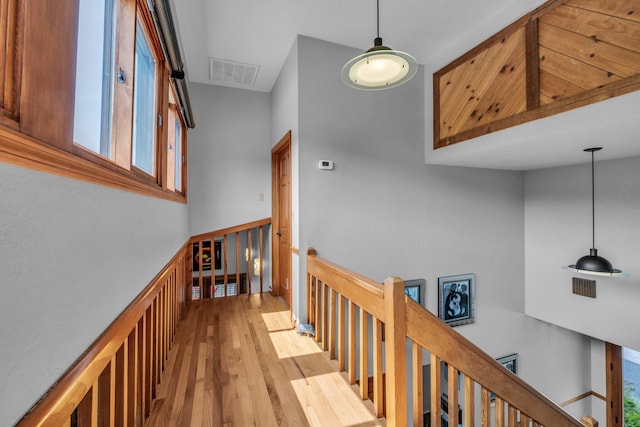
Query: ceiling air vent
[(237, 73)]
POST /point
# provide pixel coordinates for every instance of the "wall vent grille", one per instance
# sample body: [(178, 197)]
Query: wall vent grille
[(236, 73), (584, 287)]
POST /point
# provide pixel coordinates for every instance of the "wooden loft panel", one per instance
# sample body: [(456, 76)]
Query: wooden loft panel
[(491, 84), (10, 42), (563, 55)]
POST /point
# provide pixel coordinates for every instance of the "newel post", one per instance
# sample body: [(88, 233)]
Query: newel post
[(395, 352)]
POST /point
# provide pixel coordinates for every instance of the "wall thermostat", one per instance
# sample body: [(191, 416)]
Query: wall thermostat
[(325, 164)]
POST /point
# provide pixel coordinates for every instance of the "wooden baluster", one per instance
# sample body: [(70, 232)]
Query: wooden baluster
[(249, 262), (524, 420), (200, 275), (225, 266), (469, 402), (513, 416), (486, 407), (378, 397), (325, 317), (452, 394), (332, 323), (436, 390), (499, 412), (237, 266), (341, 332), (395, 352), (132, 375), (261, 263), (352, 343), (318, 309), (364, 354), (416, 358)]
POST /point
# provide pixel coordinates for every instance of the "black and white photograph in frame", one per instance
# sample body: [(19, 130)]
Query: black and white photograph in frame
[(456, 296), (415, 290)]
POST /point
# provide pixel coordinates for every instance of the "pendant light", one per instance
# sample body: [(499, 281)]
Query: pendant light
[(593, 263), (379, 67)]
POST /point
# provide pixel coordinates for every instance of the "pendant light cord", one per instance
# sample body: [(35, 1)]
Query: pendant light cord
[(378, 18), (593, 203)]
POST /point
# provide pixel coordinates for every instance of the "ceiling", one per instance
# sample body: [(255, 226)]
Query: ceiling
[(258, 34)]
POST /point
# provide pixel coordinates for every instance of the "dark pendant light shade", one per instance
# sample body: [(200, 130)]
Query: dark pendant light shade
[(379, 67), (593, 263)]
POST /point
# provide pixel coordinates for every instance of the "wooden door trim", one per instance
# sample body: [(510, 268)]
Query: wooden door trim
[(283, 145), (614, 385)]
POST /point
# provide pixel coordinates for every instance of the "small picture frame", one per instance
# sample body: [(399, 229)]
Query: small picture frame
[(510, 362), (456, 295), (415, 290)]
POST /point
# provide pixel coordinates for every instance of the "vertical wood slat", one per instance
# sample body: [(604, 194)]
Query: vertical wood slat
[(237, 265), (485, 400), (8, 33), (364, 354), (469, 402), (341, 329), (513, 416), (499, 412), (524, 420), (132, 376), (200, 275), (332, 323), (352, 343), (249, 263), (436, 387), (325, 317), (225, 266), (318, 310), (532, 73), (112, 392), (378, 397), (261, 243), (452, 393), (417, 392)]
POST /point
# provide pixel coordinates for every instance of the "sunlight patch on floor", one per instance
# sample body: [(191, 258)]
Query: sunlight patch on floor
[(277, 321), (290, 344), (327, 400)]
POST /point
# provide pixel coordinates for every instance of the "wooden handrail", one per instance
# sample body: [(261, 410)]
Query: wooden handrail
[(516, 402), (137, 342), (230, 230), (438, 338)]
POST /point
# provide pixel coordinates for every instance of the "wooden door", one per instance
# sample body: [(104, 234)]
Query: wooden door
[(281, 206)]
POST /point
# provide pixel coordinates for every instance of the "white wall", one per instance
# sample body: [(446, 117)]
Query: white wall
[(72, 256), (558, 232), (229, 157), (383, 212)]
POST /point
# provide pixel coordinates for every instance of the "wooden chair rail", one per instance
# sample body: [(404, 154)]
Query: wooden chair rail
[(115, 381), (339, 305)]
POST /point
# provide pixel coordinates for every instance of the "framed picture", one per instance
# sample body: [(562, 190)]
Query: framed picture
[(456, 295), (511, 363), (415, 290)]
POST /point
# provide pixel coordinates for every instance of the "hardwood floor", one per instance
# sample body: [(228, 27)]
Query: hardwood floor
[(238, 362)]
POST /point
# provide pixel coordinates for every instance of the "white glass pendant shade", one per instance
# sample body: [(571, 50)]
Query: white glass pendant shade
[(379, 68)]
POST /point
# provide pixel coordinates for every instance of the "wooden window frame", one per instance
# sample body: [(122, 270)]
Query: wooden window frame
[(36, 130)]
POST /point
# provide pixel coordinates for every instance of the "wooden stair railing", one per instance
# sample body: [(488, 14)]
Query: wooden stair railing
[(333, 291), (205, 284), (114, 382)]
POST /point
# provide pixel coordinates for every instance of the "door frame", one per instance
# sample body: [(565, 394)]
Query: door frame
[(284, 145)]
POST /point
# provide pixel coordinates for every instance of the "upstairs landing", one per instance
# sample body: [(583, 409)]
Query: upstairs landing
[(238, 362)]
